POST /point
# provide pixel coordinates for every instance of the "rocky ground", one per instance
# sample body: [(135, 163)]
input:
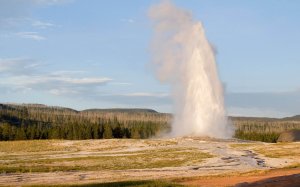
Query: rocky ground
[(188, 160)]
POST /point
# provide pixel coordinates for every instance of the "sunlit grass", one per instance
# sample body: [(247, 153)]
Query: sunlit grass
[(242, 145), (57, 155)]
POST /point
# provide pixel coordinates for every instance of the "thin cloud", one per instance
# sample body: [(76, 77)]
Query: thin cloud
[(30, 35), (67, 72), (14, 13), (63, 91), (12, 22), (24, 74), (83, 81), (42, 25), (50, 2), (47, 82), (121, 83), (18, 66)]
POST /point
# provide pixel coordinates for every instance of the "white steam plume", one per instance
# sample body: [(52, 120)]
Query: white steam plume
[(183, 57)]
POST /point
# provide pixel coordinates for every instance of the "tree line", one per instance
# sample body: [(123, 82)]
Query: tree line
[(27, 122), (41, 122), (79, 131)]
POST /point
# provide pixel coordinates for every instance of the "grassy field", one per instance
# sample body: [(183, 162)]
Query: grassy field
[(274, 150), (134, 162), (281, 150), (56, 155)]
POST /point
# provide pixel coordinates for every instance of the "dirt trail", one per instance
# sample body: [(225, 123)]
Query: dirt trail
[(273, 178)]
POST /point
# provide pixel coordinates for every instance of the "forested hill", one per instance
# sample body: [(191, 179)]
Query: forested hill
[(46, 108), (296, 118), (121, 110), (128, 113), (39, 112), (35, 121)]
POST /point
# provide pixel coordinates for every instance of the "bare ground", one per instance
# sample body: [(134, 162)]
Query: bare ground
[(189, 160), (273, 178)]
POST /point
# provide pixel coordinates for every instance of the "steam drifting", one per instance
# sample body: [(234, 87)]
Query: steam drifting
[(183, 57)]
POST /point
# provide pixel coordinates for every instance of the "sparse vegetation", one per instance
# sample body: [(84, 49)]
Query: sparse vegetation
[(51, 156), (270, 137), (263, 129), (280, 150), (94, 162)]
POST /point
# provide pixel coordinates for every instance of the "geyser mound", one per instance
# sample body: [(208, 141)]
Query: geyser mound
[(183, 57)]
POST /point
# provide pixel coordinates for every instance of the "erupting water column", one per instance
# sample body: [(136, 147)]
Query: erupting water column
[(183, 57)]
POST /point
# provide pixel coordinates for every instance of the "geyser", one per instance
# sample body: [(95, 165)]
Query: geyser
[(183, 57)]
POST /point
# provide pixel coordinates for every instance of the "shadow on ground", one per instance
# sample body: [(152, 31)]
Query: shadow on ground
[(121, 184), (286, 181)]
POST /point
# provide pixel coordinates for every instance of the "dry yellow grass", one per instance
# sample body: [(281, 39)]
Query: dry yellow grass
[(280, 150), (89, 155)]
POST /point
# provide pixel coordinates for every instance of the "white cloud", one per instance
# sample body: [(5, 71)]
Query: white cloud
[(48, 82), (63, 91), (24, 74), (83, 81), (19, 22), (30, 35), (42, 25), (67, 72)]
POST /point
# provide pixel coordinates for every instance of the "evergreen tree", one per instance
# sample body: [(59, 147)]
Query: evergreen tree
[(107, 134), (135, 134), (20, 134)]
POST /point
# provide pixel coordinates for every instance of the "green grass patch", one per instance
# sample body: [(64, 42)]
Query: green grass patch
[(242, 145), (270, 137), (278, 153), (280, 150), (156, 158), (33, 146)]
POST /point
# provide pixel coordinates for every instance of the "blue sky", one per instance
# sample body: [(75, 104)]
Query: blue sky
[(95, 54)]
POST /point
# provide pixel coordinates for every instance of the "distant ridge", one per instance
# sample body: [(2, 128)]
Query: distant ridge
[(41, 107), (95, 110), (292, 118), (122, 110), (46, 108), (253, 118), (297, 117), (35, 121)]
